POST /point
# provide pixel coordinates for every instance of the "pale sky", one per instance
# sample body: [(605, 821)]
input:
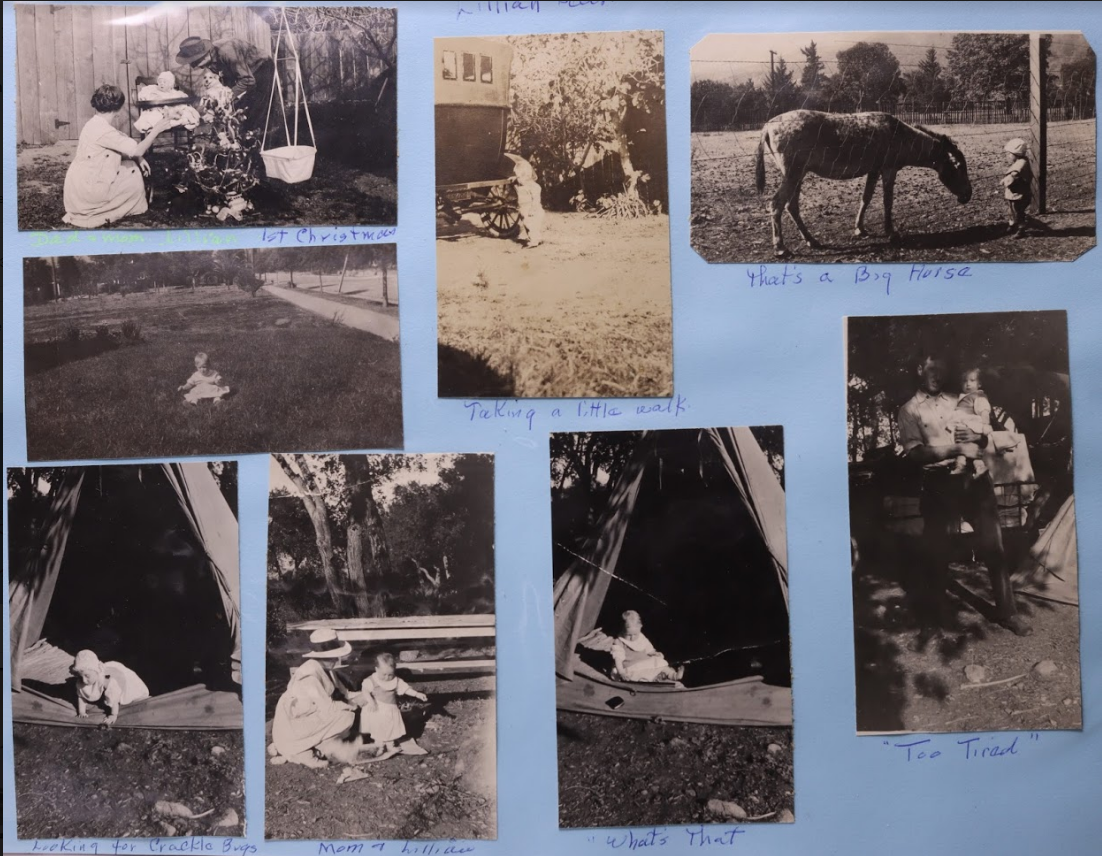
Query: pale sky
[(434, 464), (732, 58)]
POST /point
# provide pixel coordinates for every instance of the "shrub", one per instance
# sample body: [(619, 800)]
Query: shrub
[(131, 332), (103, 332), (71, 333)]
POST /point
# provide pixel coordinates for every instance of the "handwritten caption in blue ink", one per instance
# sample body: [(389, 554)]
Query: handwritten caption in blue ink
[(190, 844), (763, 276), (504, 7), (989, 747), (312, 237), (526, 414), (659, 837), (451, 847)]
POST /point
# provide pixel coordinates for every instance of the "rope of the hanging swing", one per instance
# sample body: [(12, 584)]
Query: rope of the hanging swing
[(300, 88), (614, 576), (276, 85)]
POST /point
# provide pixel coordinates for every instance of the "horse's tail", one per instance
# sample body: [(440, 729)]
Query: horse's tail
[(759, 166)]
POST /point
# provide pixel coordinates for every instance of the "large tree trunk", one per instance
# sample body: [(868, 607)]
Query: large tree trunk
[(368, 551), (323, 529), (631, 174)]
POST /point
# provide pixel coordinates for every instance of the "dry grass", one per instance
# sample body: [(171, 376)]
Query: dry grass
[(587, 314)]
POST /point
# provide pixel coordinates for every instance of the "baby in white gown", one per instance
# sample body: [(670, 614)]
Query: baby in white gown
[(165, 90), (206, 383)]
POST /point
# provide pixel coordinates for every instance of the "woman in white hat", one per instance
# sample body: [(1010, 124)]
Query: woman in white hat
[(308, 713)]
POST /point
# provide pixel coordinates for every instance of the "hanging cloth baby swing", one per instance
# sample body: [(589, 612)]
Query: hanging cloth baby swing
[(291, 163)]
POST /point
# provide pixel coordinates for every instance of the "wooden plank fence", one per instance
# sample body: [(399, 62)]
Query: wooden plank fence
[(64, 53)]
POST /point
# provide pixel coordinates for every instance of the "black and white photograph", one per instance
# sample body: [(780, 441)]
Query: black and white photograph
[(212, 352), (673, 672), (125, 610), (380, 702), (197, 116), (893, 147), (962, 523), (552, 228)]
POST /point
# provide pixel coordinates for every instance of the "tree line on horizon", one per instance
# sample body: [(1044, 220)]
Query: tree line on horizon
[(979, 68)]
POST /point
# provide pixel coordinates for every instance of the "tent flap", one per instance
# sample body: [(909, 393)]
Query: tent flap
[(32, 587), (214, 524), (1051, 571)]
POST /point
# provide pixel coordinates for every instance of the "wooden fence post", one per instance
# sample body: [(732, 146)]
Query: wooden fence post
[(1038, 119)]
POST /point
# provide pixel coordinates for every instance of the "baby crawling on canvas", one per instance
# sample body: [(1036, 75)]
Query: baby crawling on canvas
[(205, 383), (110, 684)]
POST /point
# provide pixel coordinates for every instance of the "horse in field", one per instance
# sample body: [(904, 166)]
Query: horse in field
[(849, 145)]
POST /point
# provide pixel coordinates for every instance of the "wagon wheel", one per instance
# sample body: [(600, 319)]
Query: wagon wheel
[(503, 219)]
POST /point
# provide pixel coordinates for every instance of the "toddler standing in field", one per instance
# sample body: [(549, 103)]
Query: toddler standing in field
[(205, 383), (380, 716), (1018, 185)]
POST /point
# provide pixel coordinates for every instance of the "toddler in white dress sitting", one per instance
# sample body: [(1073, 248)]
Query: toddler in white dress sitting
[(206, 383), (165, 90), (111, 684), (636, 658)]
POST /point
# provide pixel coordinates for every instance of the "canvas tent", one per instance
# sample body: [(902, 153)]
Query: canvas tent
[(140, 565), (1051, 570), (694, 539)]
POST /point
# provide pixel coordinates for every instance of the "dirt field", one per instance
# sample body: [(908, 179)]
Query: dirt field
[(625, 772), (335, 195), (449, 793), (910, 673), (92, 393), (103, 783), (588, 313), (730, 222)]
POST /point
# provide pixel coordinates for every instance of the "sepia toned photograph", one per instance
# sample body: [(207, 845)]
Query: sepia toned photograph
[(381, 692), (125, 610), (212, 352), (893, 147), (962, 523), (672, 657), (552, 228), (196, 116)]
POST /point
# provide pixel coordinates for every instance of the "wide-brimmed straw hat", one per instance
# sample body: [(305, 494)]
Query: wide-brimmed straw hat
[(193, 49), (325, 645)]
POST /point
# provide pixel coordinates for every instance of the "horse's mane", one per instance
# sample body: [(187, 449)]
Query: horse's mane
[(941, 138)]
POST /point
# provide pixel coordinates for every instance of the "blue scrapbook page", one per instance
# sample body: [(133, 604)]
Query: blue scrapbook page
[(529, 427)]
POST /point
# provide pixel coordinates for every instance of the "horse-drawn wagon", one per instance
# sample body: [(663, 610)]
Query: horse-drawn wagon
[(473, 173)]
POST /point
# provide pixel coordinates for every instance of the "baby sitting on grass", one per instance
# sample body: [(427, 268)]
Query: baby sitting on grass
[(206, 383), (177, 114), (110, 684)]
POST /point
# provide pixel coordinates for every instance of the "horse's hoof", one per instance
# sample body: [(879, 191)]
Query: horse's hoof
[(895, 239), (860, 233), (814, 245), (782, 254)]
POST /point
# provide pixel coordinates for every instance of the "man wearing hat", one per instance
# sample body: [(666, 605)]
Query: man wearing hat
[(241, 67), (310, 721)]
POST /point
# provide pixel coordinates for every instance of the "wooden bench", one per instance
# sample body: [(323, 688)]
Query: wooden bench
[(432, 631)]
